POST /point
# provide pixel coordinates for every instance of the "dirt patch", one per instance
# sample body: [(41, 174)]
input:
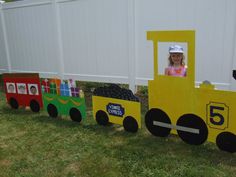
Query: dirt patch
[(5, 163)]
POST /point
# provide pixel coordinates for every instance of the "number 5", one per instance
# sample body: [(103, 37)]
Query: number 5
[(214, 114)]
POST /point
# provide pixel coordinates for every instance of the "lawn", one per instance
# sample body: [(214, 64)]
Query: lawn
[(36, 145)]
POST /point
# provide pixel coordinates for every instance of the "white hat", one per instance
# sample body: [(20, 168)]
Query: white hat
[(176, 49)]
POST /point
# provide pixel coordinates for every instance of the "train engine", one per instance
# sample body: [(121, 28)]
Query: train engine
[(196, 114)]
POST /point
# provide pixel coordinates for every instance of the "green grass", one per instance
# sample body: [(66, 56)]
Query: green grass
[(36, 145)]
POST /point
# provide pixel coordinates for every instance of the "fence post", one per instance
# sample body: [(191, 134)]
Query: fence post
[(131, 45), (59, 38), (232, 80), (4, 31)]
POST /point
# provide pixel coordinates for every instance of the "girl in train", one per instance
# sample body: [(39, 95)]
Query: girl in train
[(176, 65)]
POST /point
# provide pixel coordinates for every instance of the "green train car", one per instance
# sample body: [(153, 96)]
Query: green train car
[(65, 105)]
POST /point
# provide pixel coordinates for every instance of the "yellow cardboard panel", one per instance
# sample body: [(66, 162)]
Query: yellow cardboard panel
[(178, 97), (130, 108)]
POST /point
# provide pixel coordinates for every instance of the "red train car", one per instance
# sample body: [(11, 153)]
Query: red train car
[(23, 89)]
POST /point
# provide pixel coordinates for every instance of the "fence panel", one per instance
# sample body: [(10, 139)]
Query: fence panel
[(105, 40), (214, 22), (3, 57), (31, 37), (95, 45)]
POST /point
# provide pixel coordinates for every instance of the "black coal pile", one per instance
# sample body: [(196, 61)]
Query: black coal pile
[(115, 91)]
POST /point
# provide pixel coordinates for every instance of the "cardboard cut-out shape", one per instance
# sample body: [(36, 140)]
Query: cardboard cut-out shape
[(10, 87), (22, 89), (56, 84), (234, 74), (45, 86), (25, 90), (63, 99), (177, 106), (64, 89), (117, 111), (116, 105), (65, 105), (33, 89)]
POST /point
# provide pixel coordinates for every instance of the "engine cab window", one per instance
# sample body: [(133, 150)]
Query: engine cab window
[(172, 59)]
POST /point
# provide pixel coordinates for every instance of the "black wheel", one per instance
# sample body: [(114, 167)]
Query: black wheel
[(34, 106), (52, 110), (102, 118), (130, 124), (75, 115), (153, 120), (13, 103), (226, 141), (192, 129)]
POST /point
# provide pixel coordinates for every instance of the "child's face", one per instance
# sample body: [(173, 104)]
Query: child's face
[(33, 90), (22, 89), (11, 88), (176, 58)]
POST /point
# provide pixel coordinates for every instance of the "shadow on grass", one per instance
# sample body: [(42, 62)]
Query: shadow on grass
[(61, 121), (142, 138), (88, 125), (141, 142), (8, 110)]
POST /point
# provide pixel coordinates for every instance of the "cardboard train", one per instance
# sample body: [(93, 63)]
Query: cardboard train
[(176, 105)]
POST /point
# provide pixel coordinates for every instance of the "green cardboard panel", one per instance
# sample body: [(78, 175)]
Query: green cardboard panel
[(64, 103)]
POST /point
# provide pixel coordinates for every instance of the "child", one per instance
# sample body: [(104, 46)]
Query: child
[(11, 88), (176, 64), (33, 90), (21, 89)]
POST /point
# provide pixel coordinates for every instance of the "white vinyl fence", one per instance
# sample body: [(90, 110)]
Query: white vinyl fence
[(105, 40)]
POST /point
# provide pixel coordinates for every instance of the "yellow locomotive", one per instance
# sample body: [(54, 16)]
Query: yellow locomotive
[(196, 114)]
